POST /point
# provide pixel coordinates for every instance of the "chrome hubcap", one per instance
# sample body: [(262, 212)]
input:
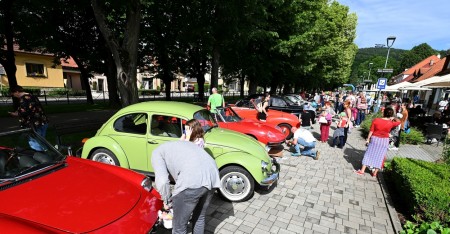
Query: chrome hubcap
[(103, 158)]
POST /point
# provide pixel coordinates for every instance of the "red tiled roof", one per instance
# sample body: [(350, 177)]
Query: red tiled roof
[(68, 63), (434, 70), (421, 67), (424, 64)]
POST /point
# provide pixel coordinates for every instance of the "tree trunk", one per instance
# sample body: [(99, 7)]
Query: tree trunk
[(253, 85), (167, 79), (85, 75), (114, 100), (10, 62), (242, 83), (125, 53), (215, 67)]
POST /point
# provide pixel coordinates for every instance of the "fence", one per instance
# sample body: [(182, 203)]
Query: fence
[(69, 97)]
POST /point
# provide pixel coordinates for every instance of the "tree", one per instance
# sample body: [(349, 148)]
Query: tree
[(121, 33)]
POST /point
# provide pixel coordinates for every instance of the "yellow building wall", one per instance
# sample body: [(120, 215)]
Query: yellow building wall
[(53, 76)]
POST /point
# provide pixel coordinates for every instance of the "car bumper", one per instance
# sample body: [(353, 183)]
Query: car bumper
[(273, 177)]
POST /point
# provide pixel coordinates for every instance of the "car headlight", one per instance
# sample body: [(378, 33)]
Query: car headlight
[(270, 134), (264, 165), (147, 184)]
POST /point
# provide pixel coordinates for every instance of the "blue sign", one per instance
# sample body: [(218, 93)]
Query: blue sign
[(381, 84)]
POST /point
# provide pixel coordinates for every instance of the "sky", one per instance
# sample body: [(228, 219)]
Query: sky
[(412, 22)]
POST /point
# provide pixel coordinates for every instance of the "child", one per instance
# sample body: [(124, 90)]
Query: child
[(394, 134), (193, 132), (325, 122), (339, 132)]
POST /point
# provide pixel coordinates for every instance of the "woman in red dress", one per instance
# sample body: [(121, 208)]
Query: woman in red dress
[(378, 141)]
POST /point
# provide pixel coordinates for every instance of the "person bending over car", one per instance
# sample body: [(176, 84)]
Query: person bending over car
[(196, 178)]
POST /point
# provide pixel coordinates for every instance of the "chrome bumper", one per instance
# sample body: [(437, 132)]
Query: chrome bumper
[(273, 177)]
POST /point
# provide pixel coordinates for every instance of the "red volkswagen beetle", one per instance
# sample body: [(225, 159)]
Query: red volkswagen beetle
[(270, 135), (276, 118), (43, 191)]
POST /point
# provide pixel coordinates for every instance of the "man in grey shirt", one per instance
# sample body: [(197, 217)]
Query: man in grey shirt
[(196, 177)]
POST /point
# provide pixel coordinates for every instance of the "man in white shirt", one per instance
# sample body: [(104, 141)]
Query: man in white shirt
[(303, 137), (442, 104)]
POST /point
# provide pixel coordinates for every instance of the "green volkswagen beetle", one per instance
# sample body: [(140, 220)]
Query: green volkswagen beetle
[(128, 138)]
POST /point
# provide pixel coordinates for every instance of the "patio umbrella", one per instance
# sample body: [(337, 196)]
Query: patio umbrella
[(396, 87)]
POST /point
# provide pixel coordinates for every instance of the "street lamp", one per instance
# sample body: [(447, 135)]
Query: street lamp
[(389, 42)]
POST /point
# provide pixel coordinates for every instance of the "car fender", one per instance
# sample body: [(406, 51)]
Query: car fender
[(107, 143), (248, 162), (11, 224)]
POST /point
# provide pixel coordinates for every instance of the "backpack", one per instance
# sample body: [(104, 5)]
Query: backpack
[(259, 107)]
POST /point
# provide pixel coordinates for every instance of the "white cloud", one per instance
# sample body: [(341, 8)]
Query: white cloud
[(412, 22)]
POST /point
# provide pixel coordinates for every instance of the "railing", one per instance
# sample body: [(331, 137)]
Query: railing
[(103, 96)]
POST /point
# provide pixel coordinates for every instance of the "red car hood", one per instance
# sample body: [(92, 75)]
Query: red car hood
[(63, 201), (257, 122)]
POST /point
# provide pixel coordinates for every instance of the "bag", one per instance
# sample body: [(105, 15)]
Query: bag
[(322, 119), (259, 107), (328, 117)]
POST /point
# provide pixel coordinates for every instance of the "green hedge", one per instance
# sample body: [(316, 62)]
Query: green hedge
[(414, 137), (424, 187)]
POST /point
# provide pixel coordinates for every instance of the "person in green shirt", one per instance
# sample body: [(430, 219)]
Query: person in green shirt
[(215, 100)]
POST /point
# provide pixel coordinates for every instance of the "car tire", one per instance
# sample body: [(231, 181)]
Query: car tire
[(105, 156), (236, 184), (287, 130)]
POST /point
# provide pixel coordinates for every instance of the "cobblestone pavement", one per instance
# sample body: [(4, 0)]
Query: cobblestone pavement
[(312, 196)]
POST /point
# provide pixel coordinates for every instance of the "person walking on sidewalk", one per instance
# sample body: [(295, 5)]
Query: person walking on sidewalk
[(403, 120), (303, 137), (348, 114), (30, 111), (195, 182), (378, 141)]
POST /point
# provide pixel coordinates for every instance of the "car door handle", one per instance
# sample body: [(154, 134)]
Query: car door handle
[(152, 142)]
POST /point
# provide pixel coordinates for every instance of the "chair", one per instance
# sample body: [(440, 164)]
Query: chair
[(434, 131)]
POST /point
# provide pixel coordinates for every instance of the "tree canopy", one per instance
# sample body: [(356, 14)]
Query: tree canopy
[(290, 43)]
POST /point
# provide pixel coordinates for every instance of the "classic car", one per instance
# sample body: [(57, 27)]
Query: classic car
[(279, 103), (44, 191), (268, 134), (128, 138), (283, 120)]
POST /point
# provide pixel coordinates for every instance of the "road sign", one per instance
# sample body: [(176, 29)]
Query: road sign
[(381, 84), (386, 70)]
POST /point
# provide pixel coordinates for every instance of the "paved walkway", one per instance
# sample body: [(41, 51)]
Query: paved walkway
[(322, 196)]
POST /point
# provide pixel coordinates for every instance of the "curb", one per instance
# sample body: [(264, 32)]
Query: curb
[(395, 221)]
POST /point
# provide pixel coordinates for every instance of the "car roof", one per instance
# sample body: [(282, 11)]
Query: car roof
[(162, 106)]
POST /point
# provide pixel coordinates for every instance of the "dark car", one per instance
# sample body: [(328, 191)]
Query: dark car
[(279, 103)]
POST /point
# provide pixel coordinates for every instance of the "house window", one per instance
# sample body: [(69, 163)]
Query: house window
[(35, 70)]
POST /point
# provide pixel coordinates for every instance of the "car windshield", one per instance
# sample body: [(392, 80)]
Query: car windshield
[(293, 99), (206, 119), (23, 152), (227, 115), (289, 101)]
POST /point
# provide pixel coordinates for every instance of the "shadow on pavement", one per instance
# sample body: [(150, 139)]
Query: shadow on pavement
[(353, 156)]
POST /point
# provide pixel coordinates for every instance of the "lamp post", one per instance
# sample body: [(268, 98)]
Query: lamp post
[(389, 42)]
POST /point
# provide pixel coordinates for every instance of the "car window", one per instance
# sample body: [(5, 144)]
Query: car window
[(206, 119), (166, 126), (135, 123), (278, 102), (23, 152), (228, 115)]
